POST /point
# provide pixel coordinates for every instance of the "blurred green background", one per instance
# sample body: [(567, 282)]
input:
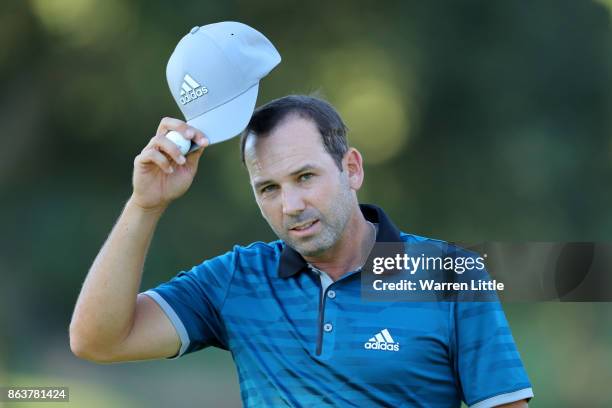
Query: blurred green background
[(478, 120)]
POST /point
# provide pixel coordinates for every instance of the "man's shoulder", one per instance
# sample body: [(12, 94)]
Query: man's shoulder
[(418, 239), (446, 247), (410, 238), (271, 249), (255, 256), (244, 260)]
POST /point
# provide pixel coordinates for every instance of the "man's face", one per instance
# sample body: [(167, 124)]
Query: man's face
[(299, 188)]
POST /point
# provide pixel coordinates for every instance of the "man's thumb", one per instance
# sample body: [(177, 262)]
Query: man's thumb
[(194, 157)]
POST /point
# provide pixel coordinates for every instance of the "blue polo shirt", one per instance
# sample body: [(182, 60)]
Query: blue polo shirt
[(296, 344)]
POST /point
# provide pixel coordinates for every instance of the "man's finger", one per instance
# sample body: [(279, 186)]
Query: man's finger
[(152, 156), (167, 124), (200, 138), (166, 146)]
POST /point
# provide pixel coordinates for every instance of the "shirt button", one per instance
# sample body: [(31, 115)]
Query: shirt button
[(331, 294), (194, 30), (328, 327)]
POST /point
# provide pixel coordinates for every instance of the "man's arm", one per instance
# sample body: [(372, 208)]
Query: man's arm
[(111, 322)]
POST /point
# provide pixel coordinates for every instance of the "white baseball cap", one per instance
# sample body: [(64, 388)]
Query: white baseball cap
[(214, 75)]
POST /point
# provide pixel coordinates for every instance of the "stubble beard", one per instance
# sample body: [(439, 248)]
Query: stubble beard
[(333, 224)]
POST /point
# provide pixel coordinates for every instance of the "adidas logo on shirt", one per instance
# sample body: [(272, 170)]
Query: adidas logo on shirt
[(191, 90), (382, 341)]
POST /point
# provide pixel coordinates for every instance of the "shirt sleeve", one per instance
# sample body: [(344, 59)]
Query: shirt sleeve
[(489, 368), (193, 300)]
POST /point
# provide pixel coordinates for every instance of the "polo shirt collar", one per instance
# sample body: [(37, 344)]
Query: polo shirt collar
[(291, 262)]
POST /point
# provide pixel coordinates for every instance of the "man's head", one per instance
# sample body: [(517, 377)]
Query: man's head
[(303, 174)]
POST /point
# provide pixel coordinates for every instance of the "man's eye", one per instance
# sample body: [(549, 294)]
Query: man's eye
[(306, 176), (268, 189)]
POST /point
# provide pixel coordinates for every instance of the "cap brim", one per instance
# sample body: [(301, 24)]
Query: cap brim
[(229, 119)]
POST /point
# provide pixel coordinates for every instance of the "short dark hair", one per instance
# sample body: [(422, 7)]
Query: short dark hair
[(322, 113)]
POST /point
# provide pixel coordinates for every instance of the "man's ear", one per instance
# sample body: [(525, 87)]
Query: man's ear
[(352, 163)]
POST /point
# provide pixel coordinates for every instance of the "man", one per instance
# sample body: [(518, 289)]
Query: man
[(290, 311)]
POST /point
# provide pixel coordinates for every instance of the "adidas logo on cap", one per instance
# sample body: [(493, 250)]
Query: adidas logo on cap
[(382, 341), (214, 74), (191, 90)]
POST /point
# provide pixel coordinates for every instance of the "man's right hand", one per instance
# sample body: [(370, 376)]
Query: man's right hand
[(161, 173)]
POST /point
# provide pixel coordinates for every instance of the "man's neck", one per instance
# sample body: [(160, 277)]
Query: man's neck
[(351, 251)]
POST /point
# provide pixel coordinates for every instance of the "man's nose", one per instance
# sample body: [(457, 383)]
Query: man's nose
[(293, 202)]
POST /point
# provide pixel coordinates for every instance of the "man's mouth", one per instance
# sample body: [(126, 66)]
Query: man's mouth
[(304, 226)]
